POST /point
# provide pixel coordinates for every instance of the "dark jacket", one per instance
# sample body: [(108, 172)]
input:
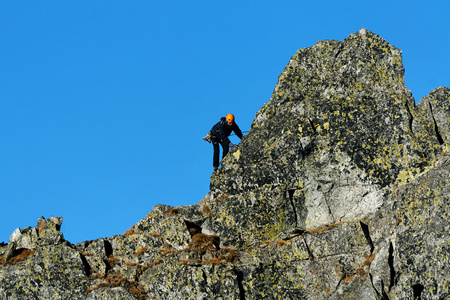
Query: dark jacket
[(223, 130)]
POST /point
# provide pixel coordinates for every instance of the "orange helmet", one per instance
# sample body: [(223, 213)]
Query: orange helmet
[(230, 119)]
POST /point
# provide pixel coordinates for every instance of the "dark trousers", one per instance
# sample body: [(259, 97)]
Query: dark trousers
[(225, 147)]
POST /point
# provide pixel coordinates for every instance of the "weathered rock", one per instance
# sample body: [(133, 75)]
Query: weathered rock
[(48, 272), (433, 115), (110, 293), (193, 282), (49, 230), (171, 223), (339, 191), (40, 264), (421, 244), (334, 137)]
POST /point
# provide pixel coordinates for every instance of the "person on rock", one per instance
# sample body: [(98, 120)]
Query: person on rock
[(220, 133)]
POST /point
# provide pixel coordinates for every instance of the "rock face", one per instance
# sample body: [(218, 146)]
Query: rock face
[(339, 191)]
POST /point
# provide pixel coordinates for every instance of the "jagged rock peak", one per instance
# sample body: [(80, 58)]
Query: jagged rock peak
[(340, 124), (339, 191)]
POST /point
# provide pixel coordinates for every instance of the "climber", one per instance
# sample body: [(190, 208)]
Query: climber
[(220, 133)]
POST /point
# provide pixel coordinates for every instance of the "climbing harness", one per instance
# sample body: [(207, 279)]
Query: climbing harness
[(209, 136)]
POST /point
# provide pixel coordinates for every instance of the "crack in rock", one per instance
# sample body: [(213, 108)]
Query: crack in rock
[(436, 129), (365, 230), (240, 280)]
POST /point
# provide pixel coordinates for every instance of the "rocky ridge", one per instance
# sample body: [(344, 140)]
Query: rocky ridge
[(339, 191)]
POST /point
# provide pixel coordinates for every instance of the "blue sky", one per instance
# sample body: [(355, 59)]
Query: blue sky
[(104, 103)]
